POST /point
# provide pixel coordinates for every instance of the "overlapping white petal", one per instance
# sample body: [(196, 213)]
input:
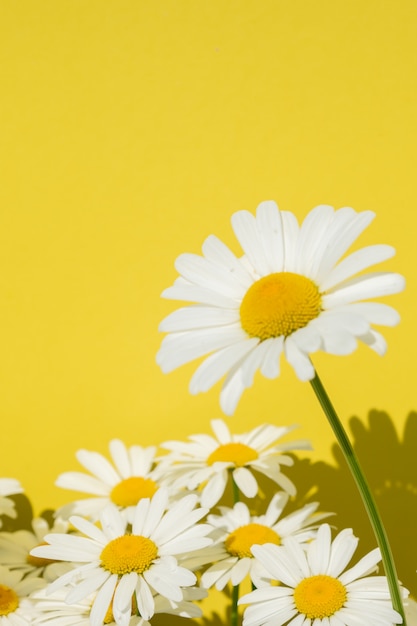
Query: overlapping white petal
[(272, 241)]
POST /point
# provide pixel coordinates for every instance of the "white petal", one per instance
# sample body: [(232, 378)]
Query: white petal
[(231, 391), (355, 263), (145, 600), (120, 457), (373, 312), (244, 226), (268, 220), (270, 367), (180, 348), (291, 230), (77, 481), (311, 243), (375, 341), (215, 366), (214, 490), (102, 601), (218, 253), (364, 288), (253, 362), (246, 482), (299, 361), (221, 431), (193, 293), (196, 316), (122, 601), (349, 226), (201, 272), (98, 466)]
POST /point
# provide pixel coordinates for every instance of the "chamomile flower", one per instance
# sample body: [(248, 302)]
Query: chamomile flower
[(15, 549), (289, 294), (16, 609), (315, 588), (207, 461), (119, 564), (124, 483), (8, 487), (238, 531)]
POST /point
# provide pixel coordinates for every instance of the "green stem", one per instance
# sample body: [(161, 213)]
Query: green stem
[(235, 589), (365, 493), (235, 598)]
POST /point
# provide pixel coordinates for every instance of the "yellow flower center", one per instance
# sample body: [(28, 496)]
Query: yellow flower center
[(319, 596), (130, 490), (9, 600), (237, 453), (38, 561), (128, 553), (279, 304), (240, 541)]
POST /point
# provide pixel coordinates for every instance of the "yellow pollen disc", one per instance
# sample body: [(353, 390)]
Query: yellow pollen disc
[(38, 561), (9, 600), (240, 541), (130, 490), (128, 553), (238, 453), (279, 304), (319, 596)]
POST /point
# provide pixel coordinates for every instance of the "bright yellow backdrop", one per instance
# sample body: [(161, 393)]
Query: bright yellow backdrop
[(130, 130)]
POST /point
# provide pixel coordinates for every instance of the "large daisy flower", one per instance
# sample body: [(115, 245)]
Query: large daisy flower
[(8, 487), (15, 607), (238, 531), (316, 589), (124, 483), (124, 565), (289, 294), (207, 461), (15, 549)]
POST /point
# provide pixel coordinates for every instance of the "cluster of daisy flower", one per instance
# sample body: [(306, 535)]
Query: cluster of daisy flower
[(155, 534)]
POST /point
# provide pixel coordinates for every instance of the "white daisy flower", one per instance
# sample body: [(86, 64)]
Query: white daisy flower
[(206, 461), (15, 607), (119, 565), (8, 487), (315, 589), (238, 531), (15, 549), (53, 609), (289, 294), (130, 478)]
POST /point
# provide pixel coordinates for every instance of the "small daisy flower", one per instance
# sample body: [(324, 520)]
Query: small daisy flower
[(15, 607), (206, 461), (289, 294), (124, 483), (239, 531), (142, 562), (315, 589), (8, 487), (15, 550)]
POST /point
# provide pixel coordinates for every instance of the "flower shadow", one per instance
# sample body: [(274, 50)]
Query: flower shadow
[(390, 465)]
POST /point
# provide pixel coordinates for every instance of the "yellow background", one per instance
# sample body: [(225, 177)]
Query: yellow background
[(131, 130)]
